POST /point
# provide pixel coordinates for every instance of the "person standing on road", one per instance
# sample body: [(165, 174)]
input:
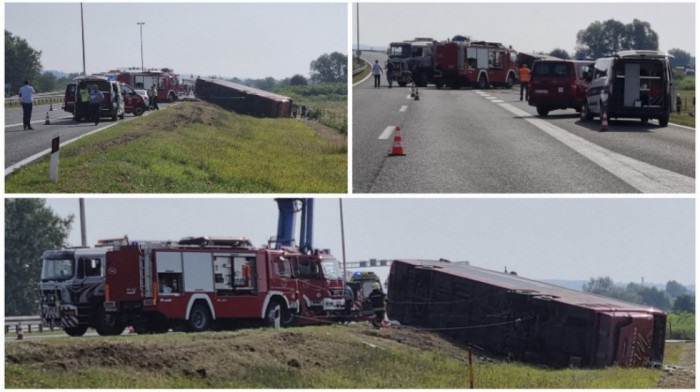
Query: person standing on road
[(154, 97), (26, 98), (377, 72), (390, 73), (377, 298), (524, 72), (96, 97)]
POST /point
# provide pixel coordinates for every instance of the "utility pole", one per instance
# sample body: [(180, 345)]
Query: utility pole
[(83, 229), (82, 29), (358, 30), (141, 31), (342, 238)]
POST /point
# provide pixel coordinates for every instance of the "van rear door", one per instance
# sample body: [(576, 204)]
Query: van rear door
[(69, 98)]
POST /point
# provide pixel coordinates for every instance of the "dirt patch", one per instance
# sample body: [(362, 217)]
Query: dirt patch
[(682, 374)]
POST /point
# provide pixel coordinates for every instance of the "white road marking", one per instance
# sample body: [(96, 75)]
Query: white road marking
[(403, 108), (497, 101), (409, 96), (387, 132), (642, 176)]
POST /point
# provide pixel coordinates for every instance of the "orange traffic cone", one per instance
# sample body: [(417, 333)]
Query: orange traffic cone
[(604, 121), (47, 122), (397, 149), (20, 334)]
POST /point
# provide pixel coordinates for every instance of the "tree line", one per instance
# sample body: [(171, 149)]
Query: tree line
[(676, 297), (22, 62)]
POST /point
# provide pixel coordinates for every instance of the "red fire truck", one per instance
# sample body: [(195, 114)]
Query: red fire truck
[(462, 62), (203, 281), (165, 80)]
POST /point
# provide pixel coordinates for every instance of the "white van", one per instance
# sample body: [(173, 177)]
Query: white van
[(633, 84)]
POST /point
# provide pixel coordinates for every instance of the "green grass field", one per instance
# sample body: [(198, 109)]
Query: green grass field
[(303, 357), (684, 118), (194, 148)]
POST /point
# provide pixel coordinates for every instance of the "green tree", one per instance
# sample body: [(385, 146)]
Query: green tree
[(684, 303), (674, 289), (604, 38), (560, 53), (681, 58), (30, 228), (641, 36), (298, 80), (330, 68), (21, 62), (46, 82)]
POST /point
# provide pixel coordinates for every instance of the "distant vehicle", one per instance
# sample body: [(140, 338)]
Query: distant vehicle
[(465, 63), (413, 61), (558, 84), (69, 98), (112, 104), (133, 102), (633, 84), (166, 81)]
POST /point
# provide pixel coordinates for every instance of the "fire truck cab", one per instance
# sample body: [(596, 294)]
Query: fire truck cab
[(462, 62), (71, 291)]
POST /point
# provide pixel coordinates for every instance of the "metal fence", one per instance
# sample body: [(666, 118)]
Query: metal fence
[(41, 98), (29, 324)]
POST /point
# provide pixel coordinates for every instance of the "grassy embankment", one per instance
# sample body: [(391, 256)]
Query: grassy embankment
[(192, 148), (309, 357), (357, 66)]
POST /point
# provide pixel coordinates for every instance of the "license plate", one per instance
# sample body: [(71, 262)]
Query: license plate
[(560, 89), (541, 91)]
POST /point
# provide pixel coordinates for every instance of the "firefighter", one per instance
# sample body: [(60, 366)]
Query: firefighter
[(378, 304), (349, 297), (524, 72), (153, 94)]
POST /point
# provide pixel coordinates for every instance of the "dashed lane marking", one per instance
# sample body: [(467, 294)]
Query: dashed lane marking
[(403, 108), (387, 132)]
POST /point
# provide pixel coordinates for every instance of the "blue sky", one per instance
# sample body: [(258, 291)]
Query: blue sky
[(226, 39), (573, 239)]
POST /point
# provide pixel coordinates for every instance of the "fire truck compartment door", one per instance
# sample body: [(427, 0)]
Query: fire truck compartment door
[(169, 262), (198, 271), (482, 58)]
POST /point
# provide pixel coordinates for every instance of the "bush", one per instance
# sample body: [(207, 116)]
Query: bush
[(680, 326)]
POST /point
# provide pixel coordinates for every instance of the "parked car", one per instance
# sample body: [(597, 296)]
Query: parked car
[(69, 98), (634, 84), (144, 94), (112, 104), (558, 84), (133, 102)]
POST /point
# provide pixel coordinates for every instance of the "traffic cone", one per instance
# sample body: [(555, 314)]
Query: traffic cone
[(20, 334), (397, 149), (47, 122), (604, 121), (131, 329)]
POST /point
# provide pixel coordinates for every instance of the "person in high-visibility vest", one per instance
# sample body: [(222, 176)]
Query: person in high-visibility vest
[(524, 72)]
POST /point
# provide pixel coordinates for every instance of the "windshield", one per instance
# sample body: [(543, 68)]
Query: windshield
[(400, 51), (331, 269), (57, 269)]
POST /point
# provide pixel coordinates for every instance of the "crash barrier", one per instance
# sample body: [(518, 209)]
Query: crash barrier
[(39, 99), (28, 324), (360, 70)]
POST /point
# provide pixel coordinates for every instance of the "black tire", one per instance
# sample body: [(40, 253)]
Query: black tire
[(422, 80), (273, 314), (482, 84), (108, 324), (510, 82), (171, 97), (200, 319), (76, 331), (402, 84), (586, 112), (439, 84), (542, 111), (139, 110), (663, 121)]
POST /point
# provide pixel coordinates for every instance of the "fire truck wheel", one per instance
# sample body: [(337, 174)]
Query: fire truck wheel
[(510, 82), (108, 324), (199, 318), (482, 84), (273, 314), (76, 331)]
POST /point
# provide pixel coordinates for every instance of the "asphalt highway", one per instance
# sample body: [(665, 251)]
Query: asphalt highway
[(473, 141)]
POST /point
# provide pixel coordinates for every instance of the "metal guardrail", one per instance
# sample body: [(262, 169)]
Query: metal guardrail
[(38, 98), (29, 324)]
